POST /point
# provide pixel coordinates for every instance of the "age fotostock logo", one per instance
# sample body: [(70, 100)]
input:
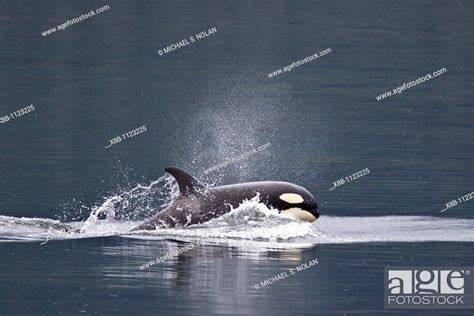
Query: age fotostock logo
[(432, 287)]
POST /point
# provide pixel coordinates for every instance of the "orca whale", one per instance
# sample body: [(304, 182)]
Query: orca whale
[(197, 204)]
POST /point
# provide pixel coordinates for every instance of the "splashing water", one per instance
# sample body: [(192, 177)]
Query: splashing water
[(117, 214), (141, 201), (251, 222)]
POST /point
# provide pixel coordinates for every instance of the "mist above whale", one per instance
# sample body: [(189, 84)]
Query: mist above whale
[(197, 204)]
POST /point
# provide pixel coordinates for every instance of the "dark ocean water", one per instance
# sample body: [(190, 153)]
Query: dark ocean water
[(212, 100)]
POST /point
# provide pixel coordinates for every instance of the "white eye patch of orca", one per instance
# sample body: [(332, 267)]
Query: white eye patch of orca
[(291, 198), (297, 213)]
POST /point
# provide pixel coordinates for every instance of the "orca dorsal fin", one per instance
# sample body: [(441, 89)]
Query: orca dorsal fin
[(186, 183)]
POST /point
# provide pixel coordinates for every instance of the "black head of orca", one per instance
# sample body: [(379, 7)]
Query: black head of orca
[(293, 200), (197, 204)]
